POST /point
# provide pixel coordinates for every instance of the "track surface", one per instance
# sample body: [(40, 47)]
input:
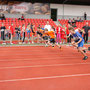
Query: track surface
[(43, 68)]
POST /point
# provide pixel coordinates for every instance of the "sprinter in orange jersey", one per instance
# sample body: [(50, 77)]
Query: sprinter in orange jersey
[(51, 36)]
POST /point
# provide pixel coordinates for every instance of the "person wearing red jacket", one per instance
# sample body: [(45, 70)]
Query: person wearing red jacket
[(12, 32), (58, 33)]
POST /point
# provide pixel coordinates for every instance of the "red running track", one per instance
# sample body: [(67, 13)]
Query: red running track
[(43, 68)]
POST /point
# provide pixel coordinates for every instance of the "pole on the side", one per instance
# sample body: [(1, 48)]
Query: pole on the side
[(63, 6)]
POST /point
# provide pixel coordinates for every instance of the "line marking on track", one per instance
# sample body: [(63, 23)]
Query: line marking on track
[(40, 59), (39, 66), (42, 78)]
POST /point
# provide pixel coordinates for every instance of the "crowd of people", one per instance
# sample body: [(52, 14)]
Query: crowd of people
[(37, 34), (73, 21)]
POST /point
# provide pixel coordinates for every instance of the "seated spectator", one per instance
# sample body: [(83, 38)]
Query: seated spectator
[(74, 25), (73, 21), (80, 20), (22, 17), (70, 21), (77, 19)]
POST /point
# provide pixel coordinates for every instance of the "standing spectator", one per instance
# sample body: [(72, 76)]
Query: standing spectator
[(33, 32), (23, 32), (85, 16), (63, 34), (47, 26), (69, 36), (12, 32), (16, 31), (3, 17), (28, 32), (58, 34), (19, 34), (7, 33), (86, 29), (3, 28)]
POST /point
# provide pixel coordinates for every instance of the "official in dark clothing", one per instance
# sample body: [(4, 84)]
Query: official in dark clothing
[(85, 16), (86, 29)]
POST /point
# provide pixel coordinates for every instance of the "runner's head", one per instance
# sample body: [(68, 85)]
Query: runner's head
[(72, 30)]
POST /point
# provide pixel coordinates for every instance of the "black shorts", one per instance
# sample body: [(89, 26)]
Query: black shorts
[(3, 35), (52, 40), (39, 33), (45, 37)]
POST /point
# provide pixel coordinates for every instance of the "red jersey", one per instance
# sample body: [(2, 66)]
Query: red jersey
[(12, 29), (58, 29)]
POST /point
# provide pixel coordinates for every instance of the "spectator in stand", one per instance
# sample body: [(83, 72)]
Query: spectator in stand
[(23, 33), (12, 32), (3, 28), (70, 21), (85, 16), (22, 17), (3, 17), (73, 21), (58, 34), (86, 29), (74, 25), (77, 20), (80, 20), (47, 26)]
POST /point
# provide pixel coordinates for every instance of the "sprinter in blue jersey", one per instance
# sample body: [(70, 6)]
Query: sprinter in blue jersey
[(78, 42)]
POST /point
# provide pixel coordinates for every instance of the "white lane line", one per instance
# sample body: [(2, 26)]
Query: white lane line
[(40, 58), (43, 59), (39, 66), (42, 78)]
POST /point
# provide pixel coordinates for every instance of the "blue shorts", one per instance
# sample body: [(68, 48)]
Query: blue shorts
[(81, 44), (28, 31), (52, 40)]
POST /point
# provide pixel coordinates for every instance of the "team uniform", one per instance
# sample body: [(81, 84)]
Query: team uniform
[(51, 34), (63, 34), (77, 37), (40, 32), (12, 30)]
